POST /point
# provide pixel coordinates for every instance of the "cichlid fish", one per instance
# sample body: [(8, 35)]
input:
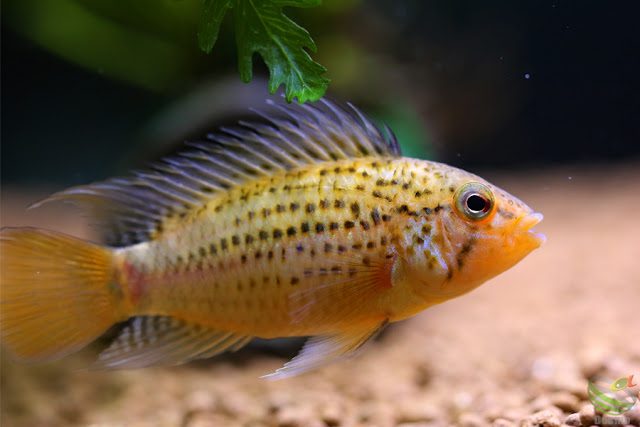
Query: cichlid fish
[(310, 225)]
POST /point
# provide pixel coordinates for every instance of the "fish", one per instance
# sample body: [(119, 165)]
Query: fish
[(308, 222)]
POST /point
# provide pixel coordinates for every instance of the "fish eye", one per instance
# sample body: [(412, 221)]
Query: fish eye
[(476, 203), (473, 201)]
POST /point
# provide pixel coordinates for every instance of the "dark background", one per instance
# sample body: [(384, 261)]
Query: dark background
[(476, 84)]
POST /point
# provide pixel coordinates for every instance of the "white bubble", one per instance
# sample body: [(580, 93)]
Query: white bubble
[(463, 400), (542, 368)]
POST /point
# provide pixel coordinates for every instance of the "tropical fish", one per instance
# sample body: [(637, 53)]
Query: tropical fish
[(313, 224)]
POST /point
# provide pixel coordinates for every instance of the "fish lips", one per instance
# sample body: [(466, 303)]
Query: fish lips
[(525, 224)]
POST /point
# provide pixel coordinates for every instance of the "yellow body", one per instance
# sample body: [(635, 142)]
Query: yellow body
[(332, 248)]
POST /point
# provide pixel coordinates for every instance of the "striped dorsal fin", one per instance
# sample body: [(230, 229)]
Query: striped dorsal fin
[(129, 210)]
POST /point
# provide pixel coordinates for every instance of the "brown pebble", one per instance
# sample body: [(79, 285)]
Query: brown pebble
[(565, 401), (579, 391), (205, 419), (493, 411), (544, 418), (415, 410), (515, 414), (540, 403), (501, 422), (471, 420), (332, 413), (199, 400), (376, 413), (587, 415), (593, 360), (233, 405), (420, 424), (573, 420), (297, 416)]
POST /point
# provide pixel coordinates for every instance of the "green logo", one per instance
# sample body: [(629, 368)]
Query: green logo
[(612, 397)]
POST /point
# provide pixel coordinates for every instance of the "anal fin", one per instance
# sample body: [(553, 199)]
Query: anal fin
[(322, 349), (164, 340)]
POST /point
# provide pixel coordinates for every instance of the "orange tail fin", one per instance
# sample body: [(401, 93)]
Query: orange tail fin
[(56, 293)]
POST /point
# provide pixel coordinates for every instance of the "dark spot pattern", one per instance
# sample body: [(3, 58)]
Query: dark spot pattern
[(375, 216)]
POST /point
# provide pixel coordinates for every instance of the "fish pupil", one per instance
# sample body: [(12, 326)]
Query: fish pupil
[(476, 203)]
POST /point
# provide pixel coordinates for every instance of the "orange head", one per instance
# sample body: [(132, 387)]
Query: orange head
[(475, 232)]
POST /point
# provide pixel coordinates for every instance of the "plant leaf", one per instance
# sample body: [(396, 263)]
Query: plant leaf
[(212, 13), (262, 27)]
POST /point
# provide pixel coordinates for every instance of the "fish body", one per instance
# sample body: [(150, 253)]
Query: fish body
[(313, 226)]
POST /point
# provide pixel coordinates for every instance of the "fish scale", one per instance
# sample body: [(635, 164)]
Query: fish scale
[(315, 225)]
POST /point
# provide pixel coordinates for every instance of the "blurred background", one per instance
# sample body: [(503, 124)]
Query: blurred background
[(91, 88)]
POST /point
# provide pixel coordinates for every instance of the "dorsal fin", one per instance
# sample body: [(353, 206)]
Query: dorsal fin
[(128, 210)]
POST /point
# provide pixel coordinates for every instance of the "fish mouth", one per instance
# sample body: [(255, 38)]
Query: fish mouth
[(525, 226)]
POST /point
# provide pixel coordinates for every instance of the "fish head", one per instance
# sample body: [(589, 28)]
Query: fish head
[(477, 232)]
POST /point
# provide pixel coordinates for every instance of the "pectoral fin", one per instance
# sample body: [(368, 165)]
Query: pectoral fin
[(323, 349), (350, 275)]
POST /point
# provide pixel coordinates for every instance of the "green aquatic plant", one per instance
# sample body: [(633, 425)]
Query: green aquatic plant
[(152, 43), (262, 27)]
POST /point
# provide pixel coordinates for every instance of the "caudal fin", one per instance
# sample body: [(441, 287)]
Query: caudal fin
[(55, 294)]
